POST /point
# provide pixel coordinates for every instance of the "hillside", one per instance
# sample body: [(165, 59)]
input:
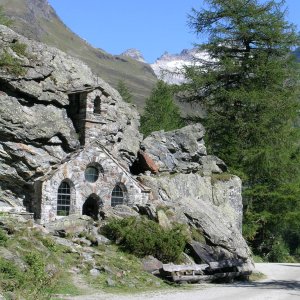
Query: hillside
[(36, 19)]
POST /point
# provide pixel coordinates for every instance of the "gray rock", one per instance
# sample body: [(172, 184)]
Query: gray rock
[(119, 211), (149, 210), (163, 220), (176, 151), (36, 131), (70, 225), (177, 190), (195, 202), (110, 282), (94, 272), (203, 253), (151, 264)]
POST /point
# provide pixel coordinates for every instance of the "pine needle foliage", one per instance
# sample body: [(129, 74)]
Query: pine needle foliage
[(249, 87), (124, 91), (161, 112)]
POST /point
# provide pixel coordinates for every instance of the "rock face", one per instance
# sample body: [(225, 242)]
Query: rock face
[(37, 128), (197, 192), (182, 151)]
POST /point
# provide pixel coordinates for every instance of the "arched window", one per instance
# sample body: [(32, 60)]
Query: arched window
[(63, 199), (117, 196), (97, 105)]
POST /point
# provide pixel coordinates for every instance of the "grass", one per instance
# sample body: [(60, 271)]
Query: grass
[(125, 271), (11, 64), (39, 266), (220, 177), (257, 276), (19, 48)]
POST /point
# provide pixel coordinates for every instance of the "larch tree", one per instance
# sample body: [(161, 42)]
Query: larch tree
[(249, 88), (124, 91), (161, 112)]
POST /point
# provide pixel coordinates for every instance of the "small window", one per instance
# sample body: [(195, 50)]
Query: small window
[(97, 105), (63, 199), (117, 196), (91, 174)]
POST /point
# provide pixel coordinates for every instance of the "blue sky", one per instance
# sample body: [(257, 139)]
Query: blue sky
[(152, 26)]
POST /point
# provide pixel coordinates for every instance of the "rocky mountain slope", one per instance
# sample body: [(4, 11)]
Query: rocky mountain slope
[(36, 19), (134, 54)]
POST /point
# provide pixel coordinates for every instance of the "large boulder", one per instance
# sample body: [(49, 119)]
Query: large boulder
[(197, 191), (190, 190), (211, 210), (180, 150)]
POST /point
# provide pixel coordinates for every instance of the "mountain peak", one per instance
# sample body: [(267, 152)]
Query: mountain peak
[(134, 54)]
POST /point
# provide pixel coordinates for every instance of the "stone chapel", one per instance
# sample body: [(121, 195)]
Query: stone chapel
[(91, 177)]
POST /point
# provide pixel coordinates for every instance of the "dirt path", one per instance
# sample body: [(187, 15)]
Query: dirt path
[(283, 282)]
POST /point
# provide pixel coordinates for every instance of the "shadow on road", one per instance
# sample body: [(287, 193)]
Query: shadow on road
[(294, 266), (274, 284)]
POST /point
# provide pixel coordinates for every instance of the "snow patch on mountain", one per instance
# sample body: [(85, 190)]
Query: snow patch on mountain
[(169, 67), (134, 54)]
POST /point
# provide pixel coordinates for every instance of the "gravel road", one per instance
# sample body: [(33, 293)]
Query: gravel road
[(282, 282)]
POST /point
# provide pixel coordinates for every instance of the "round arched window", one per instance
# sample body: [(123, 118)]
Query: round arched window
[(91, 174), (117, 196)]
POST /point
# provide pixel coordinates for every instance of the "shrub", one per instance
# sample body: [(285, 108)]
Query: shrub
[(19, 48), (143, 237), (279, 252), (3, 238), (11, 277), (11, 64)]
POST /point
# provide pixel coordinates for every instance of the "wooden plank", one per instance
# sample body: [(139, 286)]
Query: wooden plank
[(225, 264), (207, 278), (183, 268), (198, 278)]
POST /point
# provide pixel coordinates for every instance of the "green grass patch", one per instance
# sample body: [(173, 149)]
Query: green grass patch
[(122, 272), (11, 64), (3, 238), (19, 48), (40, 267)]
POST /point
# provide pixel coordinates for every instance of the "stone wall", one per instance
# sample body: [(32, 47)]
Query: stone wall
[(73, 171)]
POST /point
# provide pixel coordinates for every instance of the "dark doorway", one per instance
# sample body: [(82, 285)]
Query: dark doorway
[(91, 206)]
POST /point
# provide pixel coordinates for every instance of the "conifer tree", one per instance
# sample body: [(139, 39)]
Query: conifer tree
[(249, 87), (161, 112), (124, 91)]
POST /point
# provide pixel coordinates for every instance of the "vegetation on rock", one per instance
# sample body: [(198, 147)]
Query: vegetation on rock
[(11, 64), (29, 267), (161, 112), (143, 237), (36, 265), (3, 19), (250, 90)]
